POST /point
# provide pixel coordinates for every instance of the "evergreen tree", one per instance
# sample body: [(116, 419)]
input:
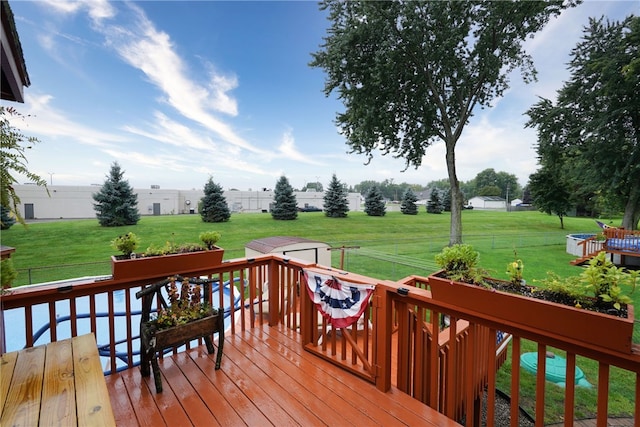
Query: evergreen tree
[(446, 200), (336, 204), (285, 206), (214, 206), (116, 204), (408, 205), (434, 205), (7, 220), (374, 202)]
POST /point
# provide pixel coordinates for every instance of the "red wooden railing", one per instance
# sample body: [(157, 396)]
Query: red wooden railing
[(400, 341)]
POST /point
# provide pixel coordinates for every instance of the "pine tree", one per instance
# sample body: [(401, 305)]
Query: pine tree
[(6, 219), (285, 206), (434, 205), (374, 202), (213, 206), (116, 203), (408, 205), (446, 200), (336, 204)]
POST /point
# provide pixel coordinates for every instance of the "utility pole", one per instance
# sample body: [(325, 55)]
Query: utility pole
[(507, 197)]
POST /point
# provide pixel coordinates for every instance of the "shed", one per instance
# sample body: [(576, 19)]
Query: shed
[(294, 247), (488, 202)]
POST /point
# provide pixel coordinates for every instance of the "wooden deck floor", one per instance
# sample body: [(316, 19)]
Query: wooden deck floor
[(266, 379)]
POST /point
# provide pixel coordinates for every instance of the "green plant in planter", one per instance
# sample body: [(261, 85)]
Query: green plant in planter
[(604, 280), (8, 273), (184, 306), (460, 262), (126, 243), (515, 269), (209, 238)]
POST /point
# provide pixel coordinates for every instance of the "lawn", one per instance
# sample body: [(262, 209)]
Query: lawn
[(414, 240), (389, 247)]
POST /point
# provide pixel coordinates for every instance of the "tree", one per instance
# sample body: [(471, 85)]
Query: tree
[(434, 205), (374, 203), (313, 186), (214, 206), (116, 203), (411, 73), (6, 219), (13, 160), (492, 183), (550, 193), (285, 206), (595, 124), (336, 204), (408, 205), (446, 200)]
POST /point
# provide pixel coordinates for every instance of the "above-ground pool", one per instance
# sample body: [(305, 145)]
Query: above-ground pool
[(15, 322), (573, 241)]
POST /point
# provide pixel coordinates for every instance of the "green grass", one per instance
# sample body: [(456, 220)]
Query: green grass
[(390, 247), (537, 238)]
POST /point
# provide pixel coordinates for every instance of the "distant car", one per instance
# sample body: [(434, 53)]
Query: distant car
[(467, 207), (309, 209)]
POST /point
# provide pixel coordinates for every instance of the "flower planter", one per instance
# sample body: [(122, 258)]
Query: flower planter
[(157, 267), (553, 319), (154, 341)]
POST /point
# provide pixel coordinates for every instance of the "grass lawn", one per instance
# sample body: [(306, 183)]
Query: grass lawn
[(389, 247)]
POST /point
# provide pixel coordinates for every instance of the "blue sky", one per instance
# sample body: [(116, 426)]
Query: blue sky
[(177, 91)]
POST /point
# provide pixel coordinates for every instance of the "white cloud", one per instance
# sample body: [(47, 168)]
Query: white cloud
[(47, 120), (144, 47), (289, 151), (96, 9)]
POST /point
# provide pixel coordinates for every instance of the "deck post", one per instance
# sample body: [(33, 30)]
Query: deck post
[(382, 327), (274, 293)]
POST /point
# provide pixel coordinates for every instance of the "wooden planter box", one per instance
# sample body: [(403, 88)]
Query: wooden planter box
[(589, 327), (158, 267)]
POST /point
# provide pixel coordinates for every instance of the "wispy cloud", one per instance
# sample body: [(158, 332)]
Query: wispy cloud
[(47, 120), (288, 150), (153, 52)]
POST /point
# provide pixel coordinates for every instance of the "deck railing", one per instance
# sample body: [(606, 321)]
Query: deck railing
[(445, 356)]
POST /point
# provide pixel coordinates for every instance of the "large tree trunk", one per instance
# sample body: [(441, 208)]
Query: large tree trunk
[(455, 230), (632, 210)]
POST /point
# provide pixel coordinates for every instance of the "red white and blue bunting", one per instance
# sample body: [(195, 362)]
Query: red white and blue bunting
[(340, 302)]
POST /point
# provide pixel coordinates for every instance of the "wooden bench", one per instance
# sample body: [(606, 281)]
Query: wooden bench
[(60, 383)]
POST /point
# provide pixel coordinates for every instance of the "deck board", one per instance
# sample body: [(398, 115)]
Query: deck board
[(266, 378)]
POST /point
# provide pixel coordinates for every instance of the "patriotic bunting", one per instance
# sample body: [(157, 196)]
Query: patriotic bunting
[(340, 302)]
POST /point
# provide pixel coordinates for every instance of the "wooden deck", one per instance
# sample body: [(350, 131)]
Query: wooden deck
[(266, 378)]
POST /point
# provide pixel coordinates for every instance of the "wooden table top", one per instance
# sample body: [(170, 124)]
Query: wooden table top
[(60, 383)]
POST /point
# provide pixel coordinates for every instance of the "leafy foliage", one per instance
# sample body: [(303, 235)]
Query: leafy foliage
[(408, 205), (374, 203), (126, 243), (8, 273), (116, 203), (460, 262), (213, 206), (209, 238), (336, 204), (13, 162), (184, 306), (412, 73), (285, 206), (592, 134)]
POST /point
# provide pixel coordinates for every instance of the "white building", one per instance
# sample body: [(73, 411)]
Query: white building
[(77, 201), (488, 202)]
